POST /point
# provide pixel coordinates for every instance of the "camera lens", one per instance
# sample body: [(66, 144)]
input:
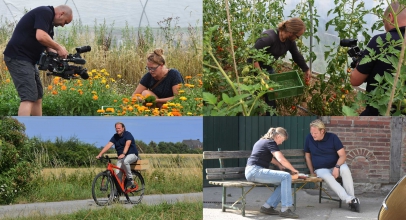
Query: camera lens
[(83, 49)]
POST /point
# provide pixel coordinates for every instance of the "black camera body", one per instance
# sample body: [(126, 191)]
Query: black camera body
[(60, 67), (354, 52)]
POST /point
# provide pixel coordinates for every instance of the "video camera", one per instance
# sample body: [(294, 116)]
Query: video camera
[(354, 52), (60, 67)]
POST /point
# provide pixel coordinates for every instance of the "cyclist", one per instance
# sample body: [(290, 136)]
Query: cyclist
[(127, 152)]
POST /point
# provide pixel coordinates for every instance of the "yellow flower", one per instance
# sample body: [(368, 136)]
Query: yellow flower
[(181, 91), (115, 100), (112, 80), (171, 104), (103, 81), (170, 114), (183, 98), (189, 113), (94, 92), (95, 97), (103, 70), (119, 76), (94, 71), (100, 111), (110, 110), (190, 85), (7, 80), (130, 108), (90, 74)]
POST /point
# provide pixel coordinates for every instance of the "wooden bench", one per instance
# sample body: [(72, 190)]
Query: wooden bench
[(235, 176)]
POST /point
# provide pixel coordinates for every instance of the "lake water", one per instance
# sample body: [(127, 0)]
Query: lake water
[(138, 13), (98, 130)]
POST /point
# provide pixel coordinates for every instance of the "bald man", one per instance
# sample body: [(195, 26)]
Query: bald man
[(367, 72), (33, 35)]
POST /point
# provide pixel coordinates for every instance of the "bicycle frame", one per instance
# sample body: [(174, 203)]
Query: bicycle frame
[(120, 183)]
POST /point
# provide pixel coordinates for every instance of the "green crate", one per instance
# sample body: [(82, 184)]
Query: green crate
[(291, 85)]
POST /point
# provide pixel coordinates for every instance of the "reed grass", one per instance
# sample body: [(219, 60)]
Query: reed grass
[(165, 176)]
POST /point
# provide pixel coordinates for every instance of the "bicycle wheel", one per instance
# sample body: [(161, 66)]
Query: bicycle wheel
[(135, 197), (103, 189)]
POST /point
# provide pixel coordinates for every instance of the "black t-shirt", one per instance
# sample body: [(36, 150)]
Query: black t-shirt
[(261, 154), (164, 89), (377, 67), (119, 143), (277, 48), (23, 44)]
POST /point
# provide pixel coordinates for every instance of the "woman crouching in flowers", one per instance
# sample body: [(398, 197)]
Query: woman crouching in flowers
[(161, 82)]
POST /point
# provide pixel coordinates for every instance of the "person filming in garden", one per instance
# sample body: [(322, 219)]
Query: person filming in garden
[(277, 42), (366, 72), (33, 35), (126, 149), (160, 81), (325, 157), (266, 150)]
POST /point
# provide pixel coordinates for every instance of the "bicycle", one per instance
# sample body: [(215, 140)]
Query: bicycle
[(107, 186)]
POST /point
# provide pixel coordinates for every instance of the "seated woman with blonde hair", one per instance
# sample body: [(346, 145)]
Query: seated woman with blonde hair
[(159, 81)]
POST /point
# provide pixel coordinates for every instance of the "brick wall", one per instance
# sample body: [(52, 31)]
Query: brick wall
[(367, 142)]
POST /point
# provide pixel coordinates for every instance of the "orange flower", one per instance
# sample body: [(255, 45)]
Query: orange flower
[(188, 77), (50, 87), (130, 108), (164, 106), (149, 104), (63, 87), (54, 92), (176, 114), (56, 80), (100, 111), (115, 100), (125, 100), (7, 80), (80, 91), (95, 97), (110, 110)]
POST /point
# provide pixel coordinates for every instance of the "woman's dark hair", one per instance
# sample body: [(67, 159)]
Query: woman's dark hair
[(293, 25), (157, 57)]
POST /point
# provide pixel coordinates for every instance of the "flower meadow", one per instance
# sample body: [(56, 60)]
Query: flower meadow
[(102, 94)]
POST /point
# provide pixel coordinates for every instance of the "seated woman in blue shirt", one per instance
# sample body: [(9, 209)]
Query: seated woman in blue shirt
[(161, 82)]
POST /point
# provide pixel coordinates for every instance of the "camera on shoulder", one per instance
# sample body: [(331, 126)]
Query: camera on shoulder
[(354, 52), (60, 67)]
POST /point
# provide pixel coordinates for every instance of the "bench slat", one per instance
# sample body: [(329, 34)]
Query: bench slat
[(225, 176), (225, 154), (225, 170)]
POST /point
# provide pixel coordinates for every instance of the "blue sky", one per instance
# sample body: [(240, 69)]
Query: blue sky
[(98, 130)]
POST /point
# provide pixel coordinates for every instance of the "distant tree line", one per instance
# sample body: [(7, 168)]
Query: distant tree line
[(75, 153)]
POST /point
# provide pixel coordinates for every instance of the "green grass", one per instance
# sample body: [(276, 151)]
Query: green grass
[(180, 210)]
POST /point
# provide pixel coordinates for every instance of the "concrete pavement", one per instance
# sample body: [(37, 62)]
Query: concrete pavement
[(65, 207), (308, 206)]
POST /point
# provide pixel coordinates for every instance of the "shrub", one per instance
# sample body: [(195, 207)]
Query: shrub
[(17, 166)]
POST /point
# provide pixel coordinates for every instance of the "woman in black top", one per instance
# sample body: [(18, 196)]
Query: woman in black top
[(278, 42), (161, 82), (266, 150)]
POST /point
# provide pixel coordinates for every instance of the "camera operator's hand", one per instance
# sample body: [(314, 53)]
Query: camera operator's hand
[(62, 52)]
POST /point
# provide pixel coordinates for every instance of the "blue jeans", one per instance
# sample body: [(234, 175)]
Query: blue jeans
[(283, 193), (345, 192)]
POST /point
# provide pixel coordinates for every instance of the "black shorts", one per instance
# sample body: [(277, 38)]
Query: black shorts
[(26, 79)]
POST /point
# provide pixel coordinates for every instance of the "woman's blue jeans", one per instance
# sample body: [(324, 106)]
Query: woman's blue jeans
[(283, 193)]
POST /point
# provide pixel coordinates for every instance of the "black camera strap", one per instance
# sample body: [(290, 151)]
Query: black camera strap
[(157, 83)]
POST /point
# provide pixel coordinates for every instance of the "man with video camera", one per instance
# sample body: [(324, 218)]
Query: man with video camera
[(367, 72), (32, 35)]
